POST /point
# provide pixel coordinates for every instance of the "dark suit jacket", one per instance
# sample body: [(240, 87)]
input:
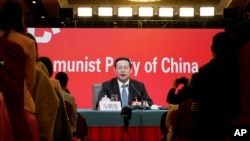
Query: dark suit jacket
[(212, 92), (112, 87)]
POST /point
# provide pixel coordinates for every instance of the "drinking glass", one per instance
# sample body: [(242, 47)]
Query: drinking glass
[(114, 97)]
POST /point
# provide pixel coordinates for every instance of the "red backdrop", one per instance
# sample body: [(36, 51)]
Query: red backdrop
[(159, 56)]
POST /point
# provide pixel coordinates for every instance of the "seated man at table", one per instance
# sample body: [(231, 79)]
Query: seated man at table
[(126, 90)]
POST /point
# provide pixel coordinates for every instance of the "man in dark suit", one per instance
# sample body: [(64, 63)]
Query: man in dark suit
[(212, 93), (134, 90)]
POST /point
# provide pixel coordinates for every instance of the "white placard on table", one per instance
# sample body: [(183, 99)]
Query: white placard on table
[(110, 106)]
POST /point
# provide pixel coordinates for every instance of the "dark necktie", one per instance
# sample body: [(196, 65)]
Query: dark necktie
[(124, 95)]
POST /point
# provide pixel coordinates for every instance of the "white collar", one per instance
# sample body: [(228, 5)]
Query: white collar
[(121, 83)]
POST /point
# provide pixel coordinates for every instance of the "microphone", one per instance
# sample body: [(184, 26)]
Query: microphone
[(138, 93)]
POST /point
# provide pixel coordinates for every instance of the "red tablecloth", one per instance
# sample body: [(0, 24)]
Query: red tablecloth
[(144, 133)]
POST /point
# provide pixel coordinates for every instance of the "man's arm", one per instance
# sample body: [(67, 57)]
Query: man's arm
[(146, 96), (104, 91), (139, 89)]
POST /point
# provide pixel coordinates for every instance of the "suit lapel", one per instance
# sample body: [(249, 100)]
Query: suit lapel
[(131, 92), (116, 89)]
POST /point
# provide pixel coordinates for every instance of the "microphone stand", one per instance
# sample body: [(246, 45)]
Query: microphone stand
[(125, 130), (141, 108), (126, 114)]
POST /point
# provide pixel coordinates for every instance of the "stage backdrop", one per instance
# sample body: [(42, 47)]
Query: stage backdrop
[(159, 56)]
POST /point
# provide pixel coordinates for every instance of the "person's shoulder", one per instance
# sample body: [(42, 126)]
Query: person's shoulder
[(69, 98), (68, 95), (112, 80), (56, 83), (40, 72), (29, 42), (41, 67), (206, 66), (22, 39)]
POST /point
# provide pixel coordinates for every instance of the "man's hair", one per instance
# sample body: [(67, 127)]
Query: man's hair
[(221, 43), (48, 63), (63, 78), (123, 58), (11, 16)]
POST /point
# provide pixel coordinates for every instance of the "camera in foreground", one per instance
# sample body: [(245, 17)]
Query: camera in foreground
[(126, 113)]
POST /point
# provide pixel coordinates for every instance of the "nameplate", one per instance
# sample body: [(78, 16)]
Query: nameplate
[(110, 106)]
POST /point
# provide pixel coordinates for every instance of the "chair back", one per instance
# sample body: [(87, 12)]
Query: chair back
[(96, 89)]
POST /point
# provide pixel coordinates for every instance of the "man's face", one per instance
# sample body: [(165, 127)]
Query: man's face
[(122, 70)]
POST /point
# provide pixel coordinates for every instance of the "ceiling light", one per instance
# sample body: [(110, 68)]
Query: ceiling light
[(84, 11), (146, 11), (125, 11), (144, 0), (206, 11), (166, 12), (186, 12), (105, 11)]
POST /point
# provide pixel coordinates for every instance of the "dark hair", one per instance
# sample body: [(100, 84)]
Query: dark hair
[(47, 62), (11, 17), (123, 58), (182, 80), (221, 43), (63, 78)]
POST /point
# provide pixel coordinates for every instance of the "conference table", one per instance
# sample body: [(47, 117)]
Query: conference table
[(144, 125)]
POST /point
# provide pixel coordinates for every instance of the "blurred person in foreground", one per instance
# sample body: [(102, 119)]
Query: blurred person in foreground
[(239, 71), (62, 131), (12, 28), (177, 94), (211, 93), (72, 113), (45, 98)]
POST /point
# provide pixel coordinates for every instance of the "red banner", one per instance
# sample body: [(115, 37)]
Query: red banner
[(159, 56)]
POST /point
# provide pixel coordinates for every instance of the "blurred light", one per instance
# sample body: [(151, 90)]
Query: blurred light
[(206, 11), (105, 11), (144, 0), (146, 11), (125, 11), (84, 11), (186, 12), (166, 12)]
